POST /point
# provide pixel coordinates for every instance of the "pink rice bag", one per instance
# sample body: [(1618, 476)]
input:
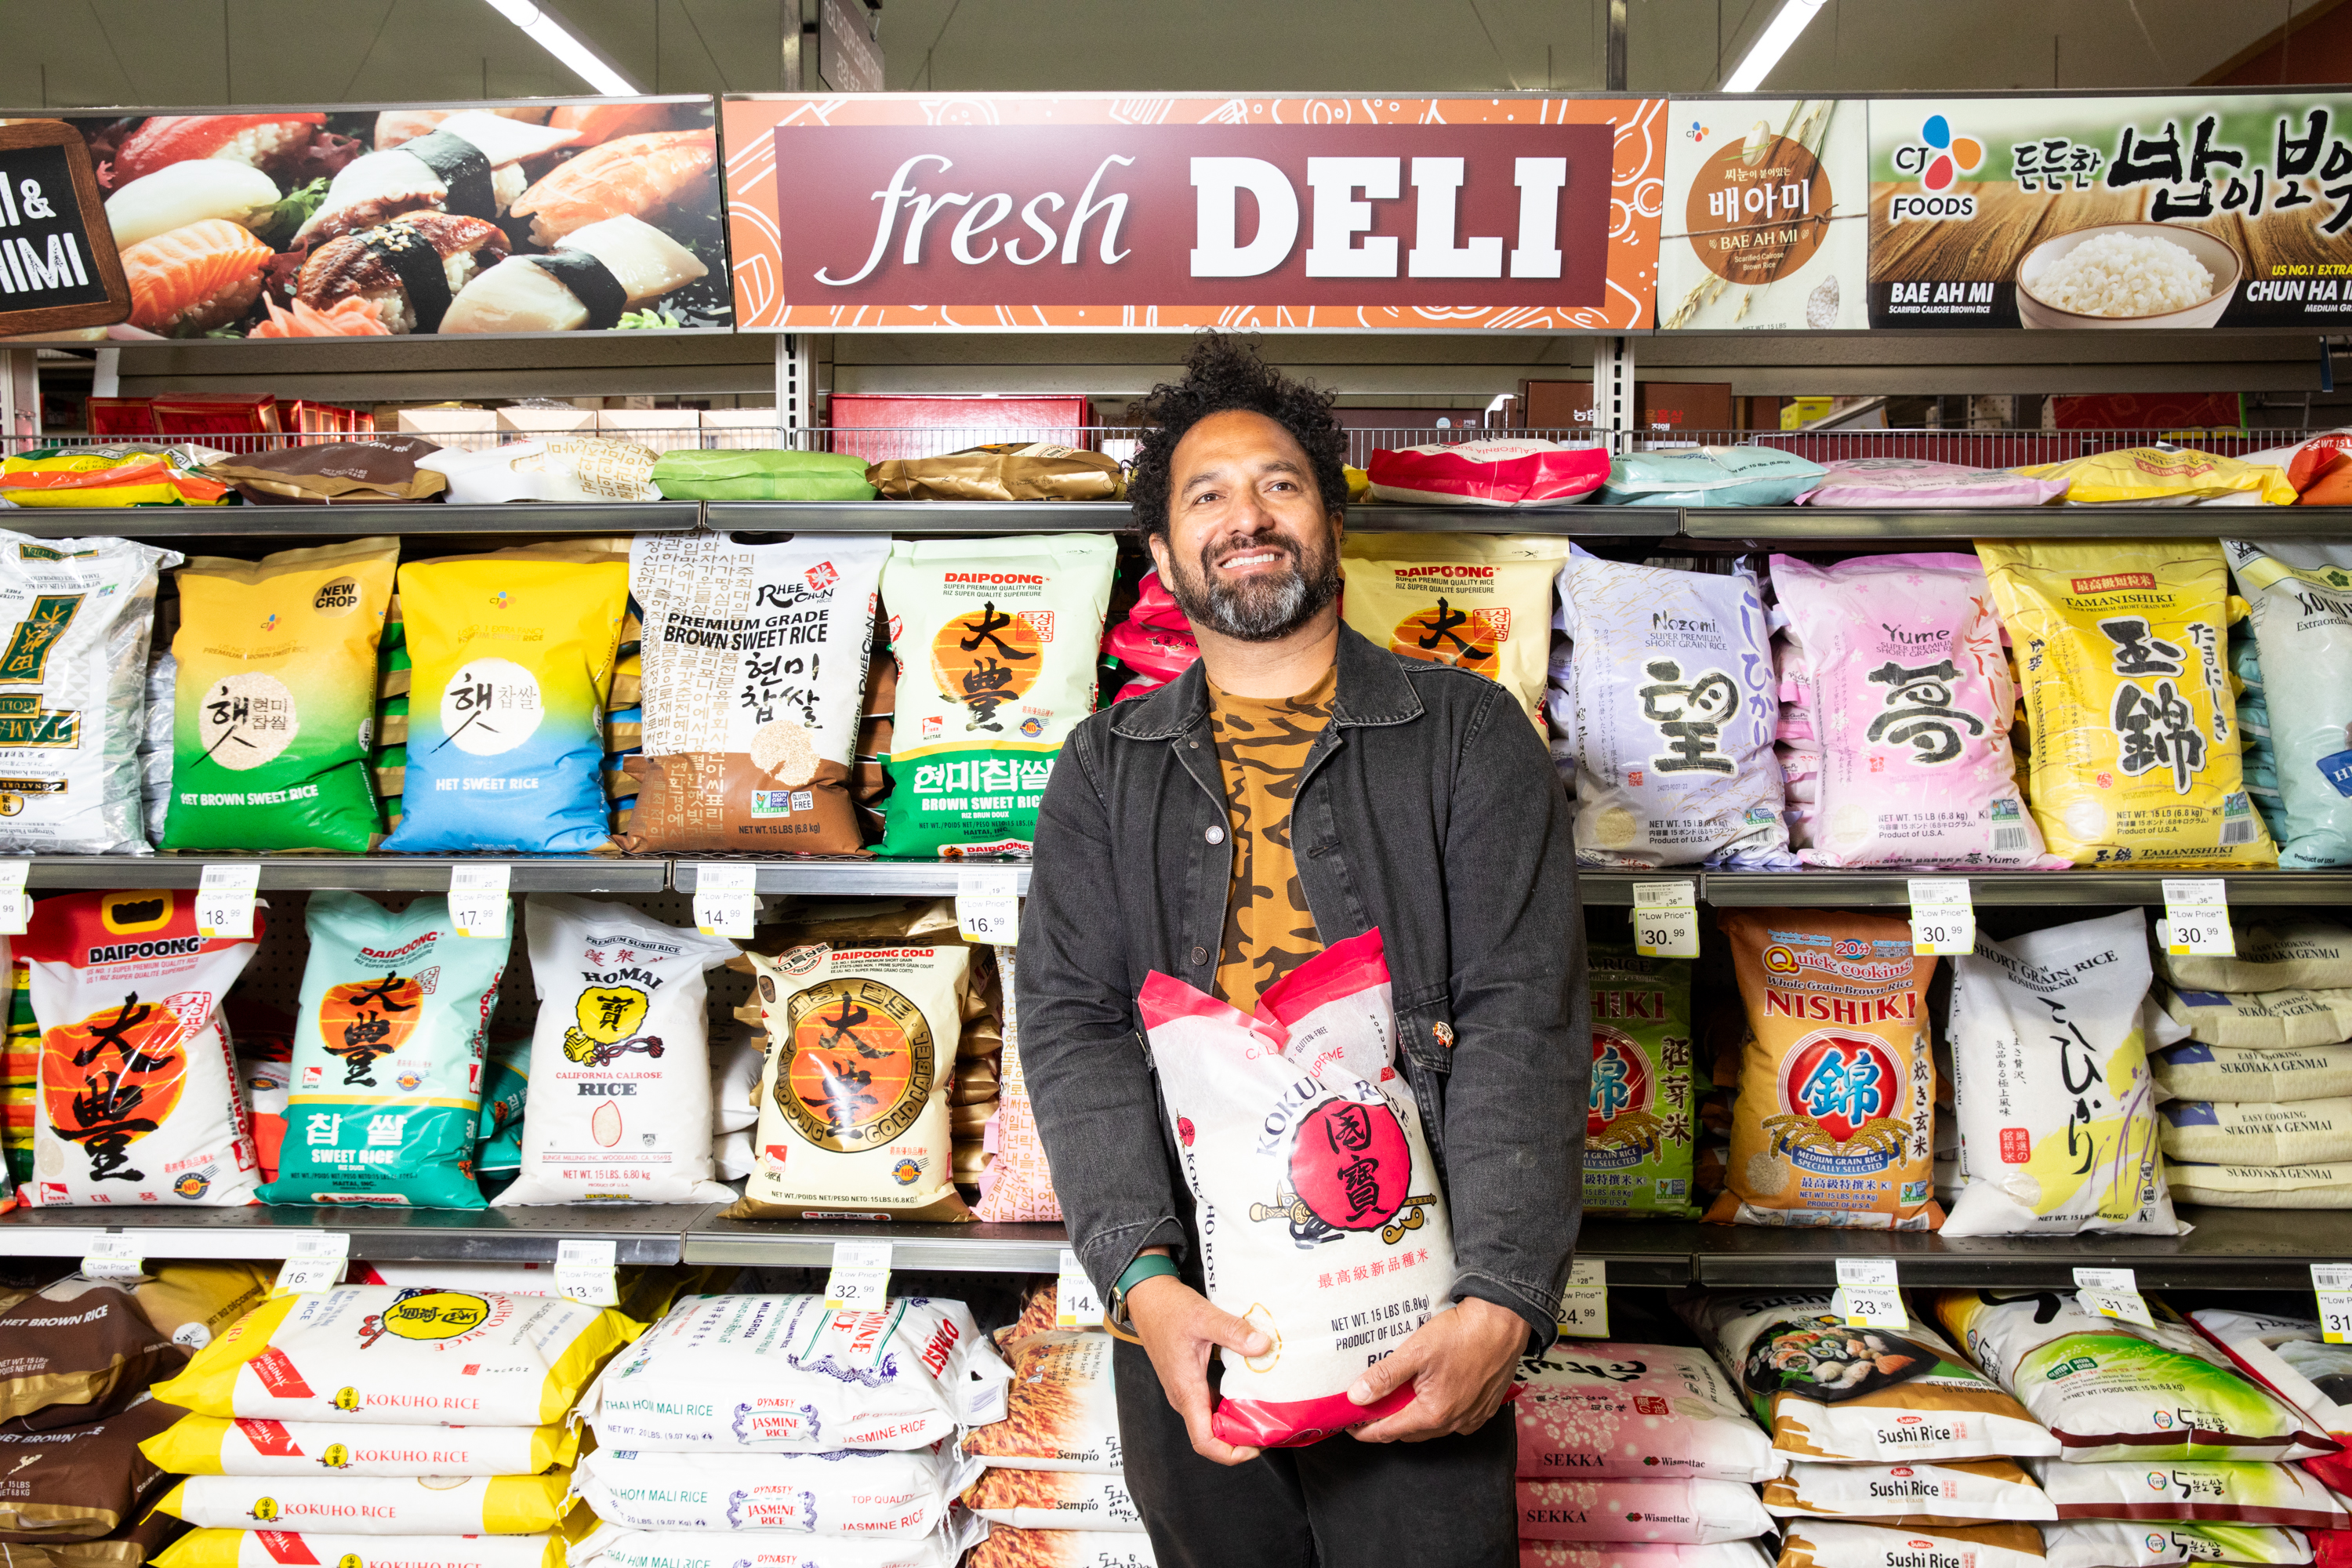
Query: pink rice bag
[(1151, 650), (1519, 472), (1156, 607), (1597, 1408), (1916, 482), (1651, 1554), (1017, 1185), (1693, 1513)]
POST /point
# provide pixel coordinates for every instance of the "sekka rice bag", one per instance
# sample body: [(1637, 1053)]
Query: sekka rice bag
[(387, 1057), (1474, 601), (2300, 596), (863, 1491), (1692, 1513), (1600, 1408), (222, 1446), (1862, 1543), (1641, 1116), (2126, 1544)]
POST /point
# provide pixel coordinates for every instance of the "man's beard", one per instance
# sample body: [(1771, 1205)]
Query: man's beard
[(1263, 606)]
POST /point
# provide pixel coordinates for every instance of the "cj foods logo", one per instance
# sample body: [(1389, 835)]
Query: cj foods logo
[(1938, 160)]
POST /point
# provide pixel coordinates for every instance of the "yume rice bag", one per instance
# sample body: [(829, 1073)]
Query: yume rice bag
[(2236, 1491), (222, 1446), (2163, 476), (863, 1491), (1695, 1512), (1917, 482), (996, 642), (620, 1058), (2300, 596), (2127, 703), (1837, 1084), (1906, 696), (512, 659), (1660, 1412), (373, 1505), (1965, 1491), (1640, 1115), (2124, 1544), (1674, 703), (1048, 1500), (138, 1098), (755, 665), (275, 694), (1061, 1410), (387, 1057), (75, 619), (1857, 1544), (2056, 1104), (277, 1549), (1476, 600)]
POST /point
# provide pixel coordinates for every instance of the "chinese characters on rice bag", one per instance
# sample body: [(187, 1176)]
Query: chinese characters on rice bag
[(1474, 601), (1641, 1119), (2300, 603)]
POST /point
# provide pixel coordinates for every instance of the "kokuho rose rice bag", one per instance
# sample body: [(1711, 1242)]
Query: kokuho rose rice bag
[(1601, 1408), (1476, 600), (223, 1445), (1641, 1116), (860, 1491), (373, 1505)]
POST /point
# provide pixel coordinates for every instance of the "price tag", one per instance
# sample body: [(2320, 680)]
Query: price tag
[(316, 1263), (478, 899), (16, 909), (2197, 918), (1584, 1303), (585, 1273), (860, 1280), (1665, 920), (1943, 921), (1868, 1294), (2112, 1293), (988, 907), (1076, 1305), (225, 898), (114, 1256), (2333, 1282), (725, 897)]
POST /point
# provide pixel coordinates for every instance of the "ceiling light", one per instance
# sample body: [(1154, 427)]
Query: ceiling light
[(1766, 52), (551, 35)]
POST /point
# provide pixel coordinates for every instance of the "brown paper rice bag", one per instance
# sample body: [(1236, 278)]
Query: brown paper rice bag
[(1041, 471), (78, 1483), (77, 1350)]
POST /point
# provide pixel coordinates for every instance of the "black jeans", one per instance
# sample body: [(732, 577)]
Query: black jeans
[(1446, 1504)]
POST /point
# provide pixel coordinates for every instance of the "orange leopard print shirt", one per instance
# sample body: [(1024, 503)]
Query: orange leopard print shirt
[(1262, 744)]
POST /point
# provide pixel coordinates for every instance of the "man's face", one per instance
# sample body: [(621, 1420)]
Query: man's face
[(1249, 552)]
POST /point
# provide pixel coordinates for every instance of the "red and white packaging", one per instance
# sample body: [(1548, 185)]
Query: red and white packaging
[(1687, 1513), (1321, 1218), (1641, 1554), (1596, 1408), (1519, 471)]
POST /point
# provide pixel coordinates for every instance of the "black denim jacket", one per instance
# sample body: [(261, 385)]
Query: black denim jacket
[(1427, 808)]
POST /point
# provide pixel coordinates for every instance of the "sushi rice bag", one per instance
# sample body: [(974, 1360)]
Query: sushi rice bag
[(1964, 1491), (1863, 1544), (2300, 596), (1641, 1116), (1476, 601)]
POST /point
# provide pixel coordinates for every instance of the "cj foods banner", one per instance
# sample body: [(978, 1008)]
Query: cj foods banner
[(2231, 210), (1028, 211), (1766, 222)]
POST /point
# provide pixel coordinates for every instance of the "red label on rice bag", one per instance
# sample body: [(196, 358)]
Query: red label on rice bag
[(271, 1438), (285, 1546), (276, 1370)]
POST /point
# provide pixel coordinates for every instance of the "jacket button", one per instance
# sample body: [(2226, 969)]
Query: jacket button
[(1214, 836), (1200, 955), (1195, 745)]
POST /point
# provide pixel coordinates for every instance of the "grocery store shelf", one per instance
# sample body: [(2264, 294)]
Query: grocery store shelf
[(422, 519), (808, 1243), (1764, 526), (995, 517), (854, 875), (2075, 888), (640, 1234), (363, 873)]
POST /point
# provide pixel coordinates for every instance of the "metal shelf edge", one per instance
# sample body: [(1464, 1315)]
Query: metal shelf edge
[(363, 873), (1864, 527), (427, 519), (1736, 889), (808, 1243), (996, 517), (851, 876)]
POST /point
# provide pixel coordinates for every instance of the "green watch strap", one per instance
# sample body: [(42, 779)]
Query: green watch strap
[(1148, 1266)]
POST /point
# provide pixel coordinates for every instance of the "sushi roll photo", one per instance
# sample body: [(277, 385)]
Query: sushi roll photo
[(409, 269), (466, 164), (590, 279)]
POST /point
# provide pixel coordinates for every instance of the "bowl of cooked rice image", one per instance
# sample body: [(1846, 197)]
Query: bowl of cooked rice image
[(2128, 275)]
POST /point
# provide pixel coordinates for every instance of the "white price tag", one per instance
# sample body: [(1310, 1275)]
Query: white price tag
[(1869, 1295), (16, 909), (2332, 1284), (1943, 921), (988, 907), (114, 1256), (725, 897), (224, 898), (2112, 1293), (2197, 918), (585, 1273), (860, 1280), (1665, 920), (1076, 1305), (478, 899), (1584, 1301), (315, 1263)]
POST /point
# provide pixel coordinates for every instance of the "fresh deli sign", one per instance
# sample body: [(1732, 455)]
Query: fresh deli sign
[(896, 213)]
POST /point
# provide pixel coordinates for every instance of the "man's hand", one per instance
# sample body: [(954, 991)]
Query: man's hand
[(1178, 1328), (1459, 1363)]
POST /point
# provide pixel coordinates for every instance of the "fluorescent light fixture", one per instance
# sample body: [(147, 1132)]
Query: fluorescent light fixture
[(1762, 56), (552, 35)]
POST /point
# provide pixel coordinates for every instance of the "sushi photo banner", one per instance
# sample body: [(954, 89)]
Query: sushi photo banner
[(59, 271), (1766, 219), (1027, 211)]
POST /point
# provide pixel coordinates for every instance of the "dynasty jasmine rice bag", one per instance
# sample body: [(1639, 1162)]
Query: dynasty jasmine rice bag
[(1964, 1491), (222, 1446), (2300, 600), (2307, 1132), (996, 642), (2129, 705), (1841, 1543), (2123, 1543), (1641, 1116), (387, 1057), (1476, 600), (2236, 1491), (276, 1549), (1604, 1408), (275, 694), (1695, 1512), (863, 1491), (373, 1505)]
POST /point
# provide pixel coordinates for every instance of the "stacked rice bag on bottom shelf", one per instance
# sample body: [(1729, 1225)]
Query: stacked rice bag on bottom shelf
[(1053, 1490)]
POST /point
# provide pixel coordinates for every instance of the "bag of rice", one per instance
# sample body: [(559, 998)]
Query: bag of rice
[(1858, 1395), (220, 1446), (1699, 1512), (1834, 1122), (2306, 1132), (1629, 1410), (754, 663), (1887, 483), (2115, 1543), (996, 642), (384, 469), (1513, 471), (2162, 475), (1048, 1500), (1830, 1544), (1476, 600), (188, 1303), (2107, 1389), (1009, 1547), (1061, 1407), (1709, 475), (373, 1505), (2275, 954), (1640, 1115), (2261, 1186), (2236, 1491), (761, 474), (78, 1349), (1966, 1492), (1017, 1185), (1674, 707), (2240, 1074), (2291, 1357), (2264, 1020), (286, 1549), (2300, 599), (620, 1057), (1642, 1554), (76, 1483), (851, 1491), (1010, 470), (2135, 730)]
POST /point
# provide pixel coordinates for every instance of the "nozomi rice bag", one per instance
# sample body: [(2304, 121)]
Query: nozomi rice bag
[(620, 1058), (755, 665), (2107, 1389), (79, 1483), (1476, 601), (2162, 475), (1697, 1512), (1607, 1409), (1061, 1407), (2306, 1132), (373, 1505), (2129, 705), (512, 657), (387, 1057), (1858, 1395), (1641, 1113), (278, 1549), (1916, 482), (2236, 1491), (75, 619), (1832, 1543), (859, 1491), (1520, 470), (1674, 704), (2264, 1020), (2300, 599), (1048, 1500), (2261, 1186), (1965, 1491), (2242, 1076), (2119, 1543), (1709, 475), (2275, 954), (138, 1100), (1833, 1122), (220, 1446), (996, 642)]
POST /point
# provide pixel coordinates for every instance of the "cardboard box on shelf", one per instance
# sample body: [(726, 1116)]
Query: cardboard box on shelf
[(447, 420), (660, 428), (547, 421), (1658, 406)]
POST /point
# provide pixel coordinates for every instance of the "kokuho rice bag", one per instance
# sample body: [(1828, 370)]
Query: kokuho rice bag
[(1697, 1512), (2127, 702), (755, 665), (275, 693), (1852, 1543), (1061, 1410), (1965, 1491), (387, 1057), (608, 1546), (862, 1492), (1048, 1500), (277, 1549), (221, 1445), (1640, 1115), (2237, 1492), (1837, 1086), (1476, 600), (138, 1100), (996, 642), (2300, 599), (373, 1505), (1600, 1408), (2126, 1544)]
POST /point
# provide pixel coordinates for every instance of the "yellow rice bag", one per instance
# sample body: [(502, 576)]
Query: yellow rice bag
[(373, 1505), (2164, 476), (223, 1445), (275, 1549), (2135, 741), (1479, 601)]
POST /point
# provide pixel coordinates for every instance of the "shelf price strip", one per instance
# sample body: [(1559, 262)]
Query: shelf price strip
[(988, 907), (1869, 1295), (2112, 1293), (1665, 920), (860, 1278), (114, 1256), (725, 897), (2197, 918), (478, 899), (584, 1272), (2332, 1282), (1943, 919), (1584, 1303), (16, 909), (314, 1263), (1076, 1305), (225, 892)]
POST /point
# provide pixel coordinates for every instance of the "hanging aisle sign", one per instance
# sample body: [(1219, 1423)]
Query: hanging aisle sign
[(59, 270), (1035, 210), (1765, 225)]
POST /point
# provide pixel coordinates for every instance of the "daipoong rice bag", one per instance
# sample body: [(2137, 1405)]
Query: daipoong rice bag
[(2236, 1491), (1061, 1408), (1834, 1120), (1659, 1412), (1965, 1491), (1674, 704), (1054, 1500), (996, 642), (2211, 1132), (2300, 596), (373, 1505), (782, 1374), (2123, 1543), (1698, 1512), (1474, 601), (138, 1102), (1858, 1395), (387, 1057), (2242, 1075), (620, 1058), (862, 1492), (2135, 731), (1839, 1543), (1640, 1114), (278, 1549), (75, 619), (2108, 1389), (222, 1446), (755, 665)]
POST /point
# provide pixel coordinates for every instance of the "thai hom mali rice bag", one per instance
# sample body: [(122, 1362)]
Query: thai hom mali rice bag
[(1641, 1111), (1476, 600), (2300, 600), (373, 1505), (223, 1445), (996, 642), (862, 1492), (1606, 1408), (1837, 1085)]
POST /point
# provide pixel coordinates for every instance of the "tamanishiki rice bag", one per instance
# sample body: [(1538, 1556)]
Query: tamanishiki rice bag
[(861, 1492), (227, 1446), (1642, 1111), (1961, 1492), (1476, 601), (2299, 597), (1596, 1408)]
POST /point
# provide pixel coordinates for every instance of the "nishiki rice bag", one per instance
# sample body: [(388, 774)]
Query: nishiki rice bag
[(1641, 1120), (275, 694), (387, 1057), (75, 619), (2300, 596), (138, 1104), (1476, 601), (1660, 1412), (1673, 707), (1895, 674), (2127, 701), (861, 1492)]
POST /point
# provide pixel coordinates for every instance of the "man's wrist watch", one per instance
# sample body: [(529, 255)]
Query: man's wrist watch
[(1147, 1266)]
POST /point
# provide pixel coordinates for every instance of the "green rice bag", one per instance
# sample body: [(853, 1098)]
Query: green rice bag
[(762, 474), (1709, 475), (1641, 1118)]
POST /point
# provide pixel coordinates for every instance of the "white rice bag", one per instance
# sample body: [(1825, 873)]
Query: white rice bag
[(371, 1505), (1694, 1512), (1642, 1554), (214, 1445), (2275, 954), (1832, 1543), (2305, 1133), (1967, 1491), (1061, 1408), (1054, 1500), (738, 1056), (1594, 1408), (282, 1549), (609, 1546), (2264, 1020), (2291, 1356), (2233, 1491), (850, 1491), (2120, 1543)]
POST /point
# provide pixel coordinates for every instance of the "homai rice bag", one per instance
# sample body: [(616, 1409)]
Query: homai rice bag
[(1641, 1116), (1605, 1408), (1476, 601)]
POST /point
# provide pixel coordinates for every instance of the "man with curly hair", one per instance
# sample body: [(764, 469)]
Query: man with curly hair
[(1296, 786)]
